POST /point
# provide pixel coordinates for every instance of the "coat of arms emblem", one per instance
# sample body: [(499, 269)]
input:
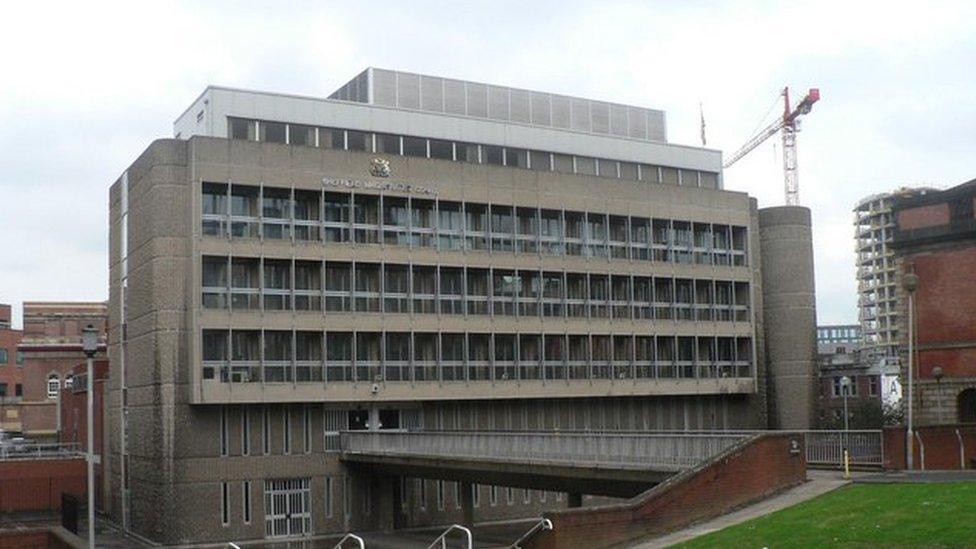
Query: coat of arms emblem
[(379, 167)]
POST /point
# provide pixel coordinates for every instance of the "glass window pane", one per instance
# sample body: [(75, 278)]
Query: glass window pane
[(415, 146), (301, 135), (585, 165), (272, 132), (517, 158), (441, 149), (358, 141), (491, 155), (386, 143)]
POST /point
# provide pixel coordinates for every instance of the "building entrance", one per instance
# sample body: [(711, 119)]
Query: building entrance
[(287, 508)]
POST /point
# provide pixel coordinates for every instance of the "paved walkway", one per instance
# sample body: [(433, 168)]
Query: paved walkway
[(819, 483), (916, 477)]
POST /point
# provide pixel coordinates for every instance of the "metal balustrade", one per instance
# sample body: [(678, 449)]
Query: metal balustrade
[(11, 450), (827, 447), (660, 451)]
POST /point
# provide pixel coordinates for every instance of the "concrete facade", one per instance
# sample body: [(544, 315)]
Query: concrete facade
[(232, 370)]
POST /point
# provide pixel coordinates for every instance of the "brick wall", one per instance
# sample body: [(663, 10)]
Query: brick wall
[(750, 472), (932, 215), (941, 447), (37, 484)]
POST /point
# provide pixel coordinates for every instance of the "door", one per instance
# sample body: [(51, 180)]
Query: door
[(287, 508)]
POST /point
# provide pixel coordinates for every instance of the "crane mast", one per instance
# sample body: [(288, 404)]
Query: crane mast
[(789, 124)]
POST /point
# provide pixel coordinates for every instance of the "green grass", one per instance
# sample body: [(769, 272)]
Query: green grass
[(863, 515)]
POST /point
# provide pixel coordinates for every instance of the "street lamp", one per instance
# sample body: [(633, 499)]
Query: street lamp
[(845, 389), (89, 344), (910, 283), (937, 374)]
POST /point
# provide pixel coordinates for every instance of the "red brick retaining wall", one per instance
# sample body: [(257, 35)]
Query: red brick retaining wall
[(751, 471), (941, 447)]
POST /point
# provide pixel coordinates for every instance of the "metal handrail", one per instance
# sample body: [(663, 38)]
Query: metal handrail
[(962, 450), (921, 449), (350, 536), (10, 450), (443, 537), (543, 524), (233, 545)]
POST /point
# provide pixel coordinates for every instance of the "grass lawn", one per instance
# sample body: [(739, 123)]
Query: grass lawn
[(863, 515)]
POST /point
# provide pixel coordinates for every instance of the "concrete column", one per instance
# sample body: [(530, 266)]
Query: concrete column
[(789, 315), (467, 504), (384, 490), (574, 499)]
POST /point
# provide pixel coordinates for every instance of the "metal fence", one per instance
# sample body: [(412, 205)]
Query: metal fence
[(672, 452), (826, 448)]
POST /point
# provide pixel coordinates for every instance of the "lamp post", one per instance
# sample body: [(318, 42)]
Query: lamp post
[(910, 283), (89, 344), (937, 374), (845, 389)]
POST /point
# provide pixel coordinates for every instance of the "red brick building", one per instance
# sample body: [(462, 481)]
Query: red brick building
[(935, 239), (11, 373), (51, 348)]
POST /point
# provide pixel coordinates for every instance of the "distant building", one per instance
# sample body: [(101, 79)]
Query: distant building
[(878, 280), (839, 356), (51, 348), (11, 373), (935, 238)]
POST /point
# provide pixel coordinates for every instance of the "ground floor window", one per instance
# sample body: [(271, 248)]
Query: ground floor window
[(287, 508)]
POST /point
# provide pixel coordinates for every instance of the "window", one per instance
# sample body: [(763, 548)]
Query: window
[(493, 495), (328, 497), (422, 493), (53, 386), (3, 356), (241, 129), (246, 501), (223, 430), (3, 389), (224, 504), (272, 132), (245, 431), (510, 495), (18, 390), (265, 431), (440, 495), (20, 358), (286, 429), (873, 385), (306, 430)]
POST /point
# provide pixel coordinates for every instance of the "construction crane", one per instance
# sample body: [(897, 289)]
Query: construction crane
[(789, 124)]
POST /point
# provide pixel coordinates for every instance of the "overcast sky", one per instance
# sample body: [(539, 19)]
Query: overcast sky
[(85, 86)]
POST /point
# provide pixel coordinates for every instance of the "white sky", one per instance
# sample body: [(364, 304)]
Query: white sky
[(85, 86)]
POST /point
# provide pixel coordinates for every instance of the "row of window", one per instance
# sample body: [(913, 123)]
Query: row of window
[(18, 390), (311, 356), (276, 213), (242, 283), (5, 357), (838, 388), (404, 145), (288, 502)]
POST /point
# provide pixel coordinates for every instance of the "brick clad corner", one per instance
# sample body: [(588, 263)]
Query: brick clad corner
[(941, 447), (751, 471)]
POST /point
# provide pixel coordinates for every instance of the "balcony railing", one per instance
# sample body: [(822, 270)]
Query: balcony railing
[(671, 452), (11, 450)]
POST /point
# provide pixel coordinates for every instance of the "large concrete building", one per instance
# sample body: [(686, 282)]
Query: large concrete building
[(425, 253)]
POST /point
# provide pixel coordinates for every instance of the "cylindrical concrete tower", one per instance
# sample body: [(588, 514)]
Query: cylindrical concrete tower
[(790, 315)]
